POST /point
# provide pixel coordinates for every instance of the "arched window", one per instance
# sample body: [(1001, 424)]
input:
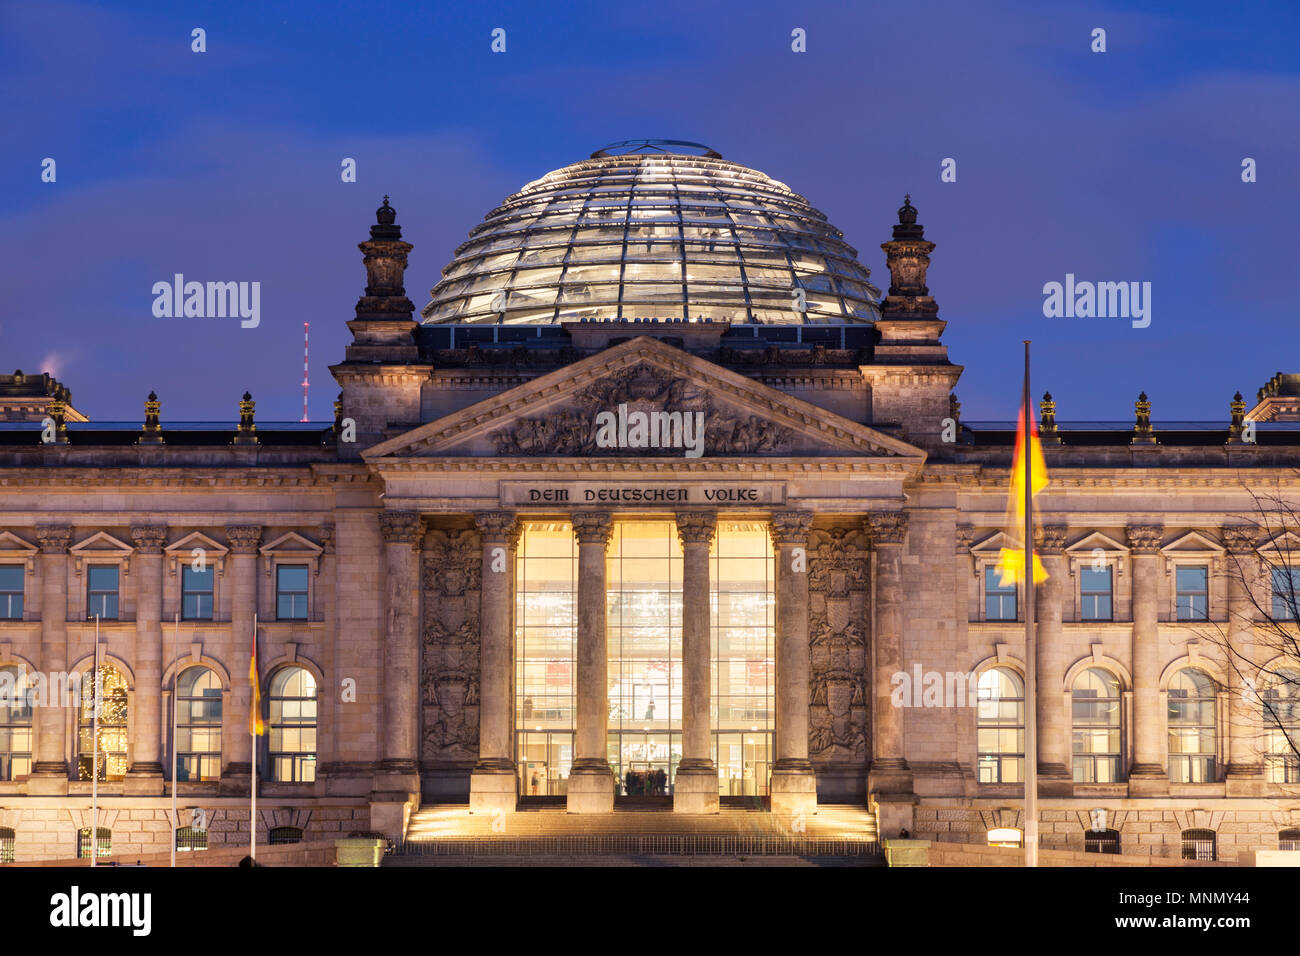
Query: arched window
[(1198, 845), (6, 845), (293, 725), (1101, 841), (105, 841), (284, 835), (1280, 710), (1288, 840), (191, 838), (1095, 712), (1006, 836), (112, 724), (1192, 737), (15, 724), (1000, 726), (198, 725)]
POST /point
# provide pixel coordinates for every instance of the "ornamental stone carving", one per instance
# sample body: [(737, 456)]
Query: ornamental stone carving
[(243, 538), (400, 527), (150, 538), (696, 527), (498, 527), (1050, 539), (593, 527), (965, 535), (449, 664), (838, 627), (54, 538), (643, 388), (887, 527), (1144, 538), (790, 528), (1239, 539)]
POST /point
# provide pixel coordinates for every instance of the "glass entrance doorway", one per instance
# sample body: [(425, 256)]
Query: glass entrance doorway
[(744, 764), (544, 763)]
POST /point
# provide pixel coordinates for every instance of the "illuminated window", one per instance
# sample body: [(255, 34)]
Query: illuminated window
[(112, 725), (284, 835), (191, 838), (1095, 710), (999, 599), (1193, 592), (291, 592), (1192, 738), (1006, 836), (293, 726), (11, 592), (1280, 712), (1101, 841), (1000, 727), (101, 592), (6, 845), (1095, 594), (1198, 845), (104, 840), (15, 724), (196, 593), (1288, 840), (198, 725)]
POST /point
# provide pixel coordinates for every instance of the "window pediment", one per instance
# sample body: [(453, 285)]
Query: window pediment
[(291, 547), (182, 551), (14, 548), (101, 546)]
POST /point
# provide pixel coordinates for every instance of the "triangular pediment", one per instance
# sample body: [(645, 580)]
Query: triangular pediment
[(1282, 549), (994, 543), (1096, 541), (1193, 543), (101, 544), (183, 551), (291, 543), (14, 548), (643, 398)]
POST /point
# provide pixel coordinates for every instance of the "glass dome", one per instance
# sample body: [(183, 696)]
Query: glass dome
[(648, 230)]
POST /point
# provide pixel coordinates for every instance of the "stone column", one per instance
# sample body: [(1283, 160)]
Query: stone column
[(1055, 774), (591, 782), (145, 775), (1246, 726), (794, 783), (398, 769), (236, 744), (889, 780), (695, 788), (1147, 774), (50, 768), (494, 784)]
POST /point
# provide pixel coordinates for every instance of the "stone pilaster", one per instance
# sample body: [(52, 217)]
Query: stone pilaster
[(494, 784), (889, 781), (695, 788), (50, 770), (1055, 776), (401, 642), (236, 745), (145, 775), (1147, 775), (1245, 772), (794, 782), (591, 781)]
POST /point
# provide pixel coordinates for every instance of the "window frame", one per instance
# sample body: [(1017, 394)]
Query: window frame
[(1193, 844), (185, 722), (1212, 765), (1083, 571), (103, 841), (7, 595), (298, 758), (305, 593), (1118, 755), (85, 725), (210, 593), (1178, 567), (91, 592), (22, 687), (987, 572), (998, 725)]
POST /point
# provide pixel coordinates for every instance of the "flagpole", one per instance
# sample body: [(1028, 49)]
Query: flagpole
[(94, 759), (252, 735), (1031, 650), (176, 636)]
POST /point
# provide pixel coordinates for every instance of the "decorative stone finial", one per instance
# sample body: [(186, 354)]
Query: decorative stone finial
[(908, 257), (57, 409), (246, 433), (1142, 431), (1237, 409), (1047, 432), (151, 430)]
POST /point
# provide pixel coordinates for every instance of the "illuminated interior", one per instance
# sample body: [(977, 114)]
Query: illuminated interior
[(659, 235)]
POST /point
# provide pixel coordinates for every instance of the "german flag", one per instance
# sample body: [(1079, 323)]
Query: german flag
[(255, 725), (1011, 560)]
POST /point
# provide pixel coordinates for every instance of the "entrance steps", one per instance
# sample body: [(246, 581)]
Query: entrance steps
[(450, 831)]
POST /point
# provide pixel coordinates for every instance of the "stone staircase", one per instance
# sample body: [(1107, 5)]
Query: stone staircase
[(449, 833)]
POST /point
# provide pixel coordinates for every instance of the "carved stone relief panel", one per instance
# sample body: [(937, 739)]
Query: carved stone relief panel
[(838, 609), (449, 669)]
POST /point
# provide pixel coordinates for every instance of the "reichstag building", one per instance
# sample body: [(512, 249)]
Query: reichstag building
[(659, 499)]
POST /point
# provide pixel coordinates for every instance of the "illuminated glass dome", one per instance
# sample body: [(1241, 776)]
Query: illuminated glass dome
[(654, 229)]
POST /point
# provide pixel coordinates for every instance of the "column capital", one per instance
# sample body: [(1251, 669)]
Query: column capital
[(1144, 538), (886, 527), (696, 527), (1239, 539), (790, 528), (400, 527), (593, 527), (964, 537), (244, 538), (149, 538), (54, 538), (1050, 539), (497, 527)]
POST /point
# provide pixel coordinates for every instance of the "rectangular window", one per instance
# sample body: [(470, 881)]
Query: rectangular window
[(101, 592), (291, 592), (1193, 588), (999, 600), (196, 593), (11, 592), (1095, 594), (1286, 593)]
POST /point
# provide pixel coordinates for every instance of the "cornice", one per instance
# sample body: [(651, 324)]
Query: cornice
[(632, 468)]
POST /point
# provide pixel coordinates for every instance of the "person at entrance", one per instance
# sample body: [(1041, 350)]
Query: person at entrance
[(650, 710), (534, 783)]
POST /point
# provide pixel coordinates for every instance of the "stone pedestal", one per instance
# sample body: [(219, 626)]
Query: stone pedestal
[(894, 814), (591, 788), (794, 788), (390, 812), (907, 852), (695, 789)]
